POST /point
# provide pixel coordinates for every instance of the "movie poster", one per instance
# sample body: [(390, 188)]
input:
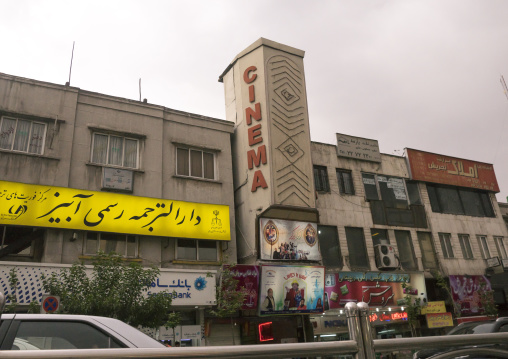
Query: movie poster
[(288, 240), (248, 277), (291, 289), (374, 288), (465, 292)]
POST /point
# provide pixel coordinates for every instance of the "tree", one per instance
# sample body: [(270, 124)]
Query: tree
[(413, 307), (443, 284), (229, 297), (113, 290), (487, 299), (172, 322)]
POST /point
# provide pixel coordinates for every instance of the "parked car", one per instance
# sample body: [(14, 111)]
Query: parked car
[(499, 325), (60, 331)]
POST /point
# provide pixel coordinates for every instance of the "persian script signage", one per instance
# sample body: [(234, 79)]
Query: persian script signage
[(434, 307), (431, 167), (247, 277), (373, 288), (288, 240), (439, 320), (465, 293), (358, 148), (69, 208)]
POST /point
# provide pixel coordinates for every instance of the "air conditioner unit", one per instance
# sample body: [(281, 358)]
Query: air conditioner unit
[(385, 256)]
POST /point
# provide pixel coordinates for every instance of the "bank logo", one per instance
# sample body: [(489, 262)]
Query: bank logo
[(216, 221), (200, 283)]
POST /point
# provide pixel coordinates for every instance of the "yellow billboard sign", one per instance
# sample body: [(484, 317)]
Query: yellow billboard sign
[(439, 320), (434, 307), (59, 207)]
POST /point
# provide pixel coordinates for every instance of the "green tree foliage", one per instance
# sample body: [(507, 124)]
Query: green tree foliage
[(229, 297), (412, 307), (113, 290), (487, 299), (173, 320), (443, 284)]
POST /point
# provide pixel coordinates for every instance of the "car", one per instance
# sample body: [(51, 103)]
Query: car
[(63, 331), (499, 325)]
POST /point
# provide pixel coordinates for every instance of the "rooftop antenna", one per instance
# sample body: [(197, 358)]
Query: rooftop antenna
[(140, 90), (70, 70), (505, 89)]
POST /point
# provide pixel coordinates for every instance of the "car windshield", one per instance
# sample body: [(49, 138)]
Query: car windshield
[(475, 329)]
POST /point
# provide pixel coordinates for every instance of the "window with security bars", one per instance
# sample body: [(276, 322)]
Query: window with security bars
[(501, 247), (345, 180), (122, 244), (115, 150), (321, 179), (465, 246), (484, 247), (195, 163), (446, 245), (22, 135)]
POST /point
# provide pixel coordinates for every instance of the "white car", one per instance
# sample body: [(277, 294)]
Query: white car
[(61, 331)]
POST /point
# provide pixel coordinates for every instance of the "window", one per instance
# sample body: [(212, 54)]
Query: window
[(345, 180), (465, 246), (197, 250), (122, 244), (358, 258), (501, 248), (455, 200), (195, 163), (392, 190), (413, 193), (329, 245), (482, 241), (369, 183), (406, 251), (45, 334), (22, 135), (17, 240), (429, 259), (446, 245), (115, 150), (321, 179), (379, 236)]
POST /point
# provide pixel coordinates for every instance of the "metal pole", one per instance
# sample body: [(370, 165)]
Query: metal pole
[(353, 324), (363, 312)]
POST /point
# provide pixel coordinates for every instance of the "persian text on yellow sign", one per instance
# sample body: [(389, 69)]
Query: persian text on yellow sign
[(60, 207)]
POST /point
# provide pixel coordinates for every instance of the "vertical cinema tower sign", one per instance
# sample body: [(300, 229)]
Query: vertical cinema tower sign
[(266, 98)]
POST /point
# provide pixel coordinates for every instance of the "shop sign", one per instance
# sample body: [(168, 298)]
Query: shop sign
[(288, 240), (493, 262), (434, 307), (465, 292), (186, 287), (291, 289), (248, 278), (70, 208), (390, 317), (358, 148), (328, 324), (439, 320), (255, 156), (431, 167), (375, 289)]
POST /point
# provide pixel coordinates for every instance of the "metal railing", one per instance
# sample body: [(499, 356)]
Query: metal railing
[(361, 345)]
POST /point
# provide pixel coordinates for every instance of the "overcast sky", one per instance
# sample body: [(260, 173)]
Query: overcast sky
[(417, 74)]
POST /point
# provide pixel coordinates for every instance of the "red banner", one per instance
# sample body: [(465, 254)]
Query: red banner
[(248, 277), (431, 167)]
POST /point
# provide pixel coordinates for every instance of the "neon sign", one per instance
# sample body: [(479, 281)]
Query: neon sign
[(387, 317), (265, 332)]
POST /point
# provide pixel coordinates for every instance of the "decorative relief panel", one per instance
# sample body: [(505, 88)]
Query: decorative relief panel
[(289, 133)]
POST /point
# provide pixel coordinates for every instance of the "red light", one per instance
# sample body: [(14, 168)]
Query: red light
[(265, 332), (398, 316)]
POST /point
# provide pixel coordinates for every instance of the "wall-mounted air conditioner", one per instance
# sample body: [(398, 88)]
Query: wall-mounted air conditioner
[(385, 257)]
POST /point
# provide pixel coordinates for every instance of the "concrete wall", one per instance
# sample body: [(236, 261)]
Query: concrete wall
[(66, 160), (342, 211)]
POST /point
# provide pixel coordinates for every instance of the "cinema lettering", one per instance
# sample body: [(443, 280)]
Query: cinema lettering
[(256, 156)]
